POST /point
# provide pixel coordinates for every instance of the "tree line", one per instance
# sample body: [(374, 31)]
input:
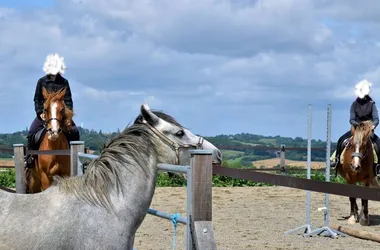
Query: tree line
[(95, 140)]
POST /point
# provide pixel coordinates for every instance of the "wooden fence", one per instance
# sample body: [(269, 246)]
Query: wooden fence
[(246, 174)]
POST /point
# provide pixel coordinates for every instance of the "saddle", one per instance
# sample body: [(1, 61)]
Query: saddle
[(36, 138)]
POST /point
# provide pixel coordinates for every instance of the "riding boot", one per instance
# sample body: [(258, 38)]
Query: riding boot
[(29, 159), (72, 136), (377, 165)]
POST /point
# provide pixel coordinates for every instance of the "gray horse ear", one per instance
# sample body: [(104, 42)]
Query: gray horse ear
[(148, 115)]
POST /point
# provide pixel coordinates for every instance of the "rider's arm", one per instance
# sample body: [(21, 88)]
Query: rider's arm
[(353, 116), (68, 98), (375, 115), (38, 99)]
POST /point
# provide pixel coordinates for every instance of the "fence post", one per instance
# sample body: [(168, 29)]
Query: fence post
[(18, 154), (75, 148), (282, 159), (201, 198)]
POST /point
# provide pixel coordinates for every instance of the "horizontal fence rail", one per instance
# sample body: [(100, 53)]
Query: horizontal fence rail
[(299, 183), (268, 148), (167, 216)]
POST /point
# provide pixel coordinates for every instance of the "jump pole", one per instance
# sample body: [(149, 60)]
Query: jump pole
[(307, 227), (328, 231)]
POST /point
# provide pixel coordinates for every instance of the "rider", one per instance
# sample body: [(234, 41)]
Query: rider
[(362, 109), (54, 67)]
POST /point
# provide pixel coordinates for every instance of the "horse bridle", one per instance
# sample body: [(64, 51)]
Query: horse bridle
[(358, 154), (174, 145), (46, 122)]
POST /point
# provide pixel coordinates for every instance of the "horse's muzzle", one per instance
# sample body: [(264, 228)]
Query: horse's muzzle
[(356, 168)]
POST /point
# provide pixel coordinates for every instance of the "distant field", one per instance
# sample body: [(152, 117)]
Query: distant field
[(269, 163), (268, 141), (229, 153)]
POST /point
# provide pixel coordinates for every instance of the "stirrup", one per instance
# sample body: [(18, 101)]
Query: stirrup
[(377, 169), (334, 164)]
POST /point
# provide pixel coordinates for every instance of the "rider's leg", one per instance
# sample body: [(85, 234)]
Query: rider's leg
[(376, 143), (73, 134), (345, 136), (36, 125)]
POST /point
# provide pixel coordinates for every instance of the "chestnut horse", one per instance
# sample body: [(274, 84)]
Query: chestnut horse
[(57, 119), (358, 166)]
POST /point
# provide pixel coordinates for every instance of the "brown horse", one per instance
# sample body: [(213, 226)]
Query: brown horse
[(57, 120), (358, 166)]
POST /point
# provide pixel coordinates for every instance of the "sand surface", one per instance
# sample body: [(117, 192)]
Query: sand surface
[(256, 218)]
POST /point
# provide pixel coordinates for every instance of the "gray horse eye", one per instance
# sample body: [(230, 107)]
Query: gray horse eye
[(180, 133)]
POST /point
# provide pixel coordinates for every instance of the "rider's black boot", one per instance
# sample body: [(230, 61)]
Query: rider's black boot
[(377, 165), (29, 159)]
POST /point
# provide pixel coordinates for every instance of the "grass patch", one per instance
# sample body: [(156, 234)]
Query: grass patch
[(8, 178)]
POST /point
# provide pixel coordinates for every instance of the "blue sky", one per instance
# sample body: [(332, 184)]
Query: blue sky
[(218, 66)]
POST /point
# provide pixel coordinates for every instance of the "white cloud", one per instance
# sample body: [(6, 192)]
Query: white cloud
[(221, 60)]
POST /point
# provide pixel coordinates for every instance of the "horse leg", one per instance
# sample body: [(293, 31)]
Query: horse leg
[(354, 211), (34, 180), (364, 218), (46, 180)]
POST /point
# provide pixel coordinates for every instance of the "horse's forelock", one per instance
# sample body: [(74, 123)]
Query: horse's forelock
[(362, 131)]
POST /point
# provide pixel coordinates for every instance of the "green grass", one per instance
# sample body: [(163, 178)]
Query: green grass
[(235, 160), (7, 179)]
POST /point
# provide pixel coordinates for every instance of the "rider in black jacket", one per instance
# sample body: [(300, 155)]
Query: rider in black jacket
[(362, 109), (53, 81)]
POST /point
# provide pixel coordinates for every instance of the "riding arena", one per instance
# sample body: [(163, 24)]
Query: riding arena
[(109, 201)]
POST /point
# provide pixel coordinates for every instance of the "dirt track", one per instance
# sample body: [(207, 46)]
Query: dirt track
[(255, 218)]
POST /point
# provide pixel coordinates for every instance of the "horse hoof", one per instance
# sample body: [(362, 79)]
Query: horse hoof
[(351, 220), (364, 222)]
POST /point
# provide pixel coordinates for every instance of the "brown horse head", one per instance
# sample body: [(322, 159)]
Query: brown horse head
[(57, 118), (361, 144)]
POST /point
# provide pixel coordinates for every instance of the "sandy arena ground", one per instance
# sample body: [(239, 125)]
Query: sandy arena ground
[(256, 218)]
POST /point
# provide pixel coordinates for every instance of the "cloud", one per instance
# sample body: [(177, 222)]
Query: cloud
[(218, 66)]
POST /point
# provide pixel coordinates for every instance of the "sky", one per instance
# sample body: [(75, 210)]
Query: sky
[(217, 66)]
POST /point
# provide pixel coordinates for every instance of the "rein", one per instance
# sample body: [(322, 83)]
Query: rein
[(174, 145)]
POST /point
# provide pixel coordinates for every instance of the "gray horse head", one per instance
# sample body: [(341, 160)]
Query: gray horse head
[(175, 137)]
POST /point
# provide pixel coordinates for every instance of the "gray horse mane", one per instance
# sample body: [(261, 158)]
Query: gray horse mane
[(128, 150)]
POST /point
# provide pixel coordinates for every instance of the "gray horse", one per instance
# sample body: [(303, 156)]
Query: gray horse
[(103, 208)]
